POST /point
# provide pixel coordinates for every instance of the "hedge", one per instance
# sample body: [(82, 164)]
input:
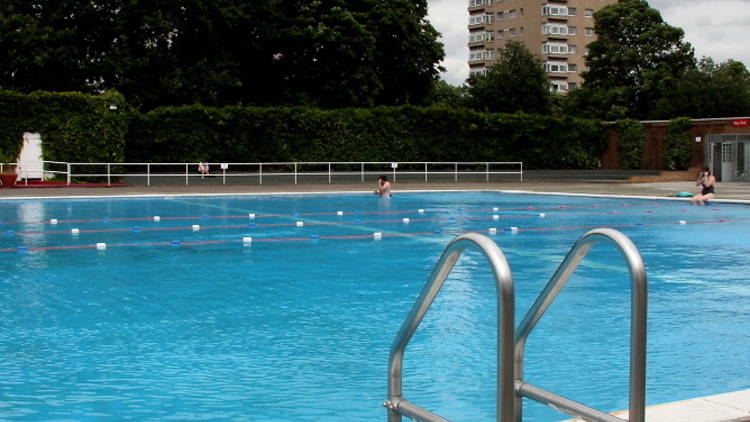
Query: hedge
[(632, 141), (679, 146), (75, 127), (83, 128), (407, 133)]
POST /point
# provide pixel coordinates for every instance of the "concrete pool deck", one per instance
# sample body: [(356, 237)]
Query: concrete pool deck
[(728, 407), (735, 191)]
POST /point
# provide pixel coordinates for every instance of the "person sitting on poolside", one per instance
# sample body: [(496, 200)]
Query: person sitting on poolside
[(384, 187), (707, 182)]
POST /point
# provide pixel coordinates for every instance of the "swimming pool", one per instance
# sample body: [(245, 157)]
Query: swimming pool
[(173, 321)]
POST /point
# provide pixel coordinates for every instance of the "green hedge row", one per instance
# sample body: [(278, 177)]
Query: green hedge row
[(75, 127), (407, 133), (679, 145), (632, 142), (84, 128)]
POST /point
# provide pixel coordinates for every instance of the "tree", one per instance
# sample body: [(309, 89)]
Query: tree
[(712, 90), (517, 82), (444, 94), (328, 53), (407, 50), (637, 57)]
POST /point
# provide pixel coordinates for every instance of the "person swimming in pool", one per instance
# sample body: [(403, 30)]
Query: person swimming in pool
[(707, 182), (384, 187)]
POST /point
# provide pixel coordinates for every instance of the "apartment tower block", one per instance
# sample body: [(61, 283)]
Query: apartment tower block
[(556, 31)]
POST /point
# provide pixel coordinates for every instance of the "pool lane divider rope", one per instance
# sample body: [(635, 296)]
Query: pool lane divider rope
[(136, 229), (376, 236), (55, 221)]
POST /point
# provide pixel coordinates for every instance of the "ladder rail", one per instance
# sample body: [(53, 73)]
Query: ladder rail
[(638, 315), (396, 405)]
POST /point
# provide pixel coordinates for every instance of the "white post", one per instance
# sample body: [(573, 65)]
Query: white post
[(425, 172), (223, 176), (186, 174), (455, 172), (329, 172), (148, 174), (68, 165), (260, 173), (109, 181), (362, 172), (487, 172), (522, 171), (295, 172)]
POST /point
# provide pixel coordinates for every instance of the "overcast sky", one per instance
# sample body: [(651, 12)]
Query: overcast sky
[(715, 28)]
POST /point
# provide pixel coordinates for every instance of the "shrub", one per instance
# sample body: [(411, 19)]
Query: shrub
[(407, 133), (75, 127), (679, 146), (632, 141)]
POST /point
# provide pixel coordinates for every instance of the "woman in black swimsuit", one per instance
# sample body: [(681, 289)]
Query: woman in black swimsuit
[(707, 182)]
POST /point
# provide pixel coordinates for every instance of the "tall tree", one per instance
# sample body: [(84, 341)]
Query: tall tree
[(517, 82), (713, 90), (329, 53), (407, 50), (636, 59), (444, 94)]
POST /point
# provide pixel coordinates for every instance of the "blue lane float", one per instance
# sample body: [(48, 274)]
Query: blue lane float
[(176, 243)]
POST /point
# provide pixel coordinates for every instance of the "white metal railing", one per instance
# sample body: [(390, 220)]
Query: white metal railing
[(292, 170), (511, 387)]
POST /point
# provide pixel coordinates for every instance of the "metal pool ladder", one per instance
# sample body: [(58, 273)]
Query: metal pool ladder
[(511, 388)]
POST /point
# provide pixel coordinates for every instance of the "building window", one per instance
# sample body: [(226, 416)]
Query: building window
[(513, 32), (521, 10), (481, 71), (480, 36), (589, 13), (473, 3), (558, 29), (589, 32), (558, 86), (571, 11), (558, 48), (571, 67), (556, 67), (480, 19), (475, 55), (500, 16), (572, 86), (511, 14), (500, 34), (548, 10)]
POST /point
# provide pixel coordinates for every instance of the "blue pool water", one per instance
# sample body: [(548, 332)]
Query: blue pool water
[(172, 323)]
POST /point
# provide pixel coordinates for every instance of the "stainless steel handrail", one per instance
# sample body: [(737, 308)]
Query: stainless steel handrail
[(638, 312), (396, 405)]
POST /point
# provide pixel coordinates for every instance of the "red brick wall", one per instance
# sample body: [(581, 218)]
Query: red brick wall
[(656, 133)]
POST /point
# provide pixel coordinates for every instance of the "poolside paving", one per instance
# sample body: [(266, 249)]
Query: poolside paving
[(725, 191), (728, 407)]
